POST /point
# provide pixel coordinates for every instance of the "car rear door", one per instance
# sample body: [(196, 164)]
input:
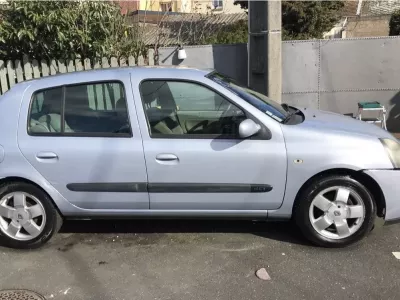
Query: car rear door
[(82, 136), (194, 158)]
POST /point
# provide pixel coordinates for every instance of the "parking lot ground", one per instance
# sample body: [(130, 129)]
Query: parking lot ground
[(201, 260)]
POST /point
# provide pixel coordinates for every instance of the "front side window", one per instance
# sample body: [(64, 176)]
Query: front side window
[(87, 109), (180, 108)]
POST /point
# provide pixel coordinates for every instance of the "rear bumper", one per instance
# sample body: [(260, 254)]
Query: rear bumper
[(389, 181)]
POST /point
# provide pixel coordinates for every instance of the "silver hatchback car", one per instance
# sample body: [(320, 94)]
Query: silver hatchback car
[(179, 142)]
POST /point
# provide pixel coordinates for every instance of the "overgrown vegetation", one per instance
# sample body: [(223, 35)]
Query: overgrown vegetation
[(303, 20), (94, 29), (300, 20), (230, 34), (394, 23), (66, 30)]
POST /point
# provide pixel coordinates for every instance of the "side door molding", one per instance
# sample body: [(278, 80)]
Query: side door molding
[(142, 187)]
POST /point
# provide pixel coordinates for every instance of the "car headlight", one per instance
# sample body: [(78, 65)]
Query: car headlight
[(393, 150)]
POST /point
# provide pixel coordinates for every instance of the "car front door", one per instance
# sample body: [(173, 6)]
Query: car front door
[(80, 139), (195, 159)]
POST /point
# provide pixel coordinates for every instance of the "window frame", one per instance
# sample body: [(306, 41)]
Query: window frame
[(168, 6), (216, 4), (62, 113), (264, 134)]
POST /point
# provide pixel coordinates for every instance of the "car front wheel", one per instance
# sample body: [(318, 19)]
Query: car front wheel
[(335, 211), (28, 218)]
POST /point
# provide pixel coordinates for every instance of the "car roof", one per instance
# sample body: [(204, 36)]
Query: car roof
[(133, 70)]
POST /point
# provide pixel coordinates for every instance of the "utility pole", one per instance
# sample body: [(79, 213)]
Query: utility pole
[(264, 52)]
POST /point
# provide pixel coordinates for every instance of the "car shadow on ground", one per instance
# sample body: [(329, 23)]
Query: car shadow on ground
[(280, 231)]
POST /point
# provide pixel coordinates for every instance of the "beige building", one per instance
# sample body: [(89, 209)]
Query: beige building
[(369, 26), (161, 5), (216, 6), (191, 6)]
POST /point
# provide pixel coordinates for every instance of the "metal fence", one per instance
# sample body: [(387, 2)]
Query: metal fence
[(12, 72)]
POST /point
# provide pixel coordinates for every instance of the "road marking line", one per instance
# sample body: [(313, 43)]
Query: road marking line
[(396, 254)]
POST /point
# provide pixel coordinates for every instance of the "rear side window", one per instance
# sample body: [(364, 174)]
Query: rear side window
[(47, 101), (97, 109)]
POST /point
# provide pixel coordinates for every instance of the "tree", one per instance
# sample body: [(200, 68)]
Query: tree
[(306, 19), (394, 23), (65, 30)]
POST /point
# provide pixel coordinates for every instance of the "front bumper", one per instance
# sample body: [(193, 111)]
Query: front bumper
[(389, 181)]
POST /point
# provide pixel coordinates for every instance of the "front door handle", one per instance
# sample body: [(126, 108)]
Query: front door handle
[(46, 155), (166, 157)]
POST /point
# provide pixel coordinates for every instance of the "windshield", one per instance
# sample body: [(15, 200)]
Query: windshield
[(258, 100)]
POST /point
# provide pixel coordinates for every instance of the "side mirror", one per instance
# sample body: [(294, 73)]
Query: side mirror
[(248, 128)]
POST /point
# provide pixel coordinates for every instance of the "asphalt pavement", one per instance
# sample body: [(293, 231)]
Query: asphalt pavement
[(201, 260)]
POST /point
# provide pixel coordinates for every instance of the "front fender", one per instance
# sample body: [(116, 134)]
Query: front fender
[(388, 180), (310, 152)]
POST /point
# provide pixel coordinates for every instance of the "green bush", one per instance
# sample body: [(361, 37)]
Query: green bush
[(303, 20), (230, 34), (394, 23), (65, 30)]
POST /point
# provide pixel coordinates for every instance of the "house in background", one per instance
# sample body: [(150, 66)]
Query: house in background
[(364, 19), (217, 6), (164, 5), (368, 18), (128, 6), (181, 6)]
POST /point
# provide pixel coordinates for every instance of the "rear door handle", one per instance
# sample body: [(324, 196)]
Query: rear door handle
[(166, 157), (46, 155)]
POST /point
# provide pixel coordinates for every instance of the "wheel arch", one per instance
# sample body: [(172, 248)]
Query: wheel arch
[(14, 179), (360, 176)]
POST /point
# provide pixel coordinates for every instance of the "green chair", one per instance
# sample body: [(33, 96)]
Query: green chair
[(372, 106)]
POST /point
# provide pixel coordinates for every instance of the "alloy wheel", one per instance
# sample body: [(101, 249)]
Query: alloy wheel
[(337, 212), (22, 216)]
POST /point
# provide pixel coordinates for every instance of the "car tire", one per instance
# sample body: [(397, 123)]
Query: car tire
[(348, 217), (28, 218)]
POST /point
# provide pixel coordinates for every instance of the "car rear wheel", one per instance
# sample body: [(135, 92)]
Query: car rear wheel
[(28, 218), (335, 211)]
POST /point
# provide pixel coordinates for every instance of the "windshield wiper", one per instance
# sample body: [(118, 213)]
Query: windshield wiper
[(290, 113), (288, 117), (285, 106)]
